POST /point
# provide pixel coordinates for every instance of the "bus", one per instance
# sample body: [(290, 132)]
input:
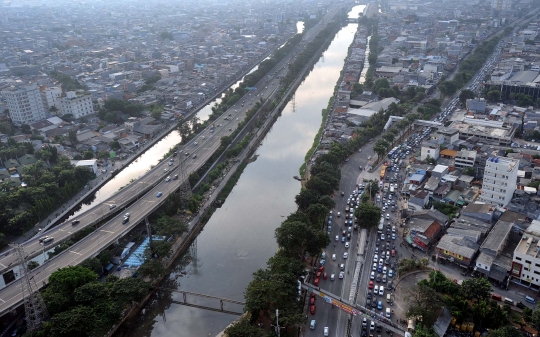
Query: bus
[(383, 171)]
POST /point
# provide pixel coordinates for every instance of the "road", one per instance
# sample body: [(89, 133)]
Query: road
[(202, 146)]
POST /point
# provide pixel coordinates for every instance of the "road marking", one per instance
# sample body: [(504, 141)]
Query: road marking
[(2, 300), (74, 252), (102, 230)]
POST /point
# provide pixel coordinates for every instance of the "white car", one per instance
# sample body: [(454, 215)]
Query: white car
[(337, 237), (338, 214), (376, 290), (332, 277), (381, 291), (374, 266), (372, 326), (372, 275), (345, 255), (341, 274), (382, 237), (333, 257), (342, 266), (347, 244), (387, 216), (375, 258), (326, 331)]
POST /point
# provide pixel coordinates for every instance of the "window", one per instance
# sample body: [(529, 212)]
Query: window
[(527, 261), (519, 258), (526, 269)]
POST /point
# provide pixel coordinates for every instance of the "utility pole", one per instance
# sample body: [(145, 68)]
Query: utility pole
[(277, 322)]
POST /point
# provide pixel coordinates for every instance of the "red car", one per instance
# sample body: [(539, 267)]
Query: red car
[(312, 301), (321, 269), (312, 310), (370, 285), (316, 281), (318, 274), (325, 276), (393, 253)]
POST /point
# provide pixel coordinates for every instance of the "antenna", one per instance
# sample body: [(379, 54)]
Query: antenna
[(34, 306)]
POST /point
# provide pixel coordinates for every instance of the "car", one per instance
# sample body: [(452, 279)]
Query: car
[(338, 214), (384, 270), (171, 163), (374, 266), (125, 221), (312, 309), (379, 306), (342, 266), (325, 276), (384, 278), (520, 305), (372, 275), (159, 194), (390, 273), (347, 244), (382, 237), (343, 239), (322, 262), (43, 238), (168, 179), (368, 303), (75, 222), (388, 215), (333, 257), (381, 291), (378, 278), (341, 275), (332, 277), (375, 258), (379, 269), (375, 290), (165, 170), (372, 325), (113, 206), (316, 282), (337, 237), (344, 233), (312, 324), (326, 332), (393, 236)]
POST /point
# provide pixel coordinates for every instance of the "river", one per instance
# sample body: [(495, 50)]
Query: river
[(239, 237)]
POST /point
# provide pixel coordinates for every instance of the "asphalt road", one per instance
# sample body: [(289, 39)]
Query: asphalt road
[(203, 145)]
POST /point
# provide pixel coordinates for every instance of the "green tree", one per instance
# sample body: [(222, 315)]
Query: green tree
[(421, 331), (93, 264), (493, 95), (243, 328), (535, 320), (152, 268), (380, 147), (423, 301), (103, 155), (368, 215), (506, 331), (478, 289), (88, 155), (466, 94), (115, 145), (33, 264), (25, 128), (72, 136), (170, 226)]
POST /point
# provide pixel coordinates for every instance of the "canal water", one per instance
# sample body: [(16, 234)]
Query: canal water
[(239, 238)]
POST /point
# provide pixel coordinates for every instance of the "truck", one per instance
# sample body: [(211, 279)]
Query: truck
[(386, 187)]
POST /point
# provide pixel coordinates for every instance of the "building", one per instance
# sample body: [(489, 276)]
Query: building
[(477, 105), (500, 178), (25, 104), (464, 158), (76, 105), (490, 261), (91, 164), (52, 95), (456, 248), (429, 150), (423, 233), (447, 136), (526, 258), (501, 4)]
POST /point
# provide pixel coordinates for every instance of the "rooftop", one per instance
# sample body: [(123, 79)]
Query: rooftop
[(458, 245)]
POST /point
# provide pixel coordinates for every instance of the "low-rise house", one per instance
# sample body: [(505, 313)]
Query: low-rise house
[(490, 261), (480, 211), (423, 233), (457, 249), (419, 197)]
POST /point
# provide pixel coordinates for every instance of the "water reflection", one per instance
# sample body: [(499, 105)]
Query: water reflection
[(239, 238)]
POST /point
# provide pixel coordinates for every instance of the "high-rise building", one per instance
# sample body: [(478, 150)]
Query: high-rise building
[(501, 4), (500, 178), (25, 104), (52, 95), (76, 105)]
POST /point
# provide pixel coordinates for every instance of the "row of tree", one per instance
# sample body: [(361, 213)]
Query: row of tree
[(48, 185)]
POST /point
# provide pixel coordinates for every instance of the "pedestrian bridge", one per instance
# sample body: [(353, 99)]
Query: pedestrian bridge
[(356, 311)]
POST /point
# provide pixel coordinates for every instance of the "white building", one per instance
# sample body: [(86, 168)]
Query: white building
[(78, 106), (465, 158), (501, 4), (429, 150), (52, 95), (25, 104), (526, 259), (91, 164), (500, 177)]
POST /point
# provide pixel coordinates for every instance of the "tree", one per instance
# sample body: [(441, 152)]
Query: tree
[(506, 331), (368, 215), (469, 171), (88, 155), (421, 331), (156, 114), (105, 257), (243, 328), (152, 268), (169, 225), (79, 321), (423, 301), (493, 95), (476, 289), (25, 128), (380, 148), (115, 145), (466, 94), (33, 264), (72, 136), (93, 264), (535, 320), (103, 155), (431, 161)]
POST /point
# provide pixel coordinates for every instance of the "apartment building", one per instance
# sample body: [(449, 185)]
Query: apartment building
[(500, 178), (464, 158), (76, 105), (52, 95), (25, 104), (526, 259)]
